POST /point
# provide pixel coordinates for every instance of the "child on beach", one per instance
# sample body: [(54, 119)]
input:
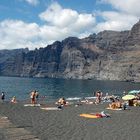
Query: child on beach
[(14, 100)]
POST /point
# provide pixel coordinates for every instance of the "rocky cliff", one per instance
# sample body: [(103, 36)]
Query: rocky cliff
[(108, 55)]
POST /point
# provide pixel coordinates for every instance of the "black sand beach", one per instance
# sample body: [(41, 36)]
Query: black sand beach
[(68, 125)]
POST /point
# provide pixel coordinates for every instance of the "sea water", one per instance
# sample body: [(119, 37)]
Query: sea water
[(52, 88)]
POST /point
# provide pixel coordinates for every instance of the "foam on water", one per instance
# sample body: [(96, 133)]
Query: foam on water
[(90, 97), (73, 98)]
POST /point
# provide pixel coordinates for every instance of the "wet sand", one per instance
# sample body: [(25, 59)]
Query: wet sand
[(68, 125)]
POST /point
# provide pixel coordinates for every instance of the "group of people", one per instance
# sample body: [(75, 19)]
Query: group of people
[(34, 95), (13, 100), (116, 104)]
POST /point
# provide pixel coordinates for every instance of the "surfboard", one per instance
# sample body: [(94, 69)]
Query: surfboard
[(32, 105), (114, 109), (89, 116), (50, 108)]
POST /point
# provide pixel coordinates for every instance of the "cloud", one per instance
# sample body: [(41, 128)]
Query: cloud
[(127, 6), (18, 34), (33, 2), (116, 21), (55, 15), (124, 15), (59, 24)]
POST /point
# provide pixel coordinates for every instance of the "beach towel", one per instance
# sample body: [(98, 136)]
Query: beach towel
[(32, 105), (117, 109), (50, 108), (91, 116)]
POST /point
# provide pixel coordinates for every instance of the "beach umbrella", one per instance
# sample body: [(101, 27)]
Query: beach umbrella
[(134, 92), (128, 97)]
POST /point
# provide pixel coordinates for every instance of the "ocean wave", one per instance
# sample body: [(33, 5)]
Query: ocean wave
[(90, 97), (73, 98), (79, 98)]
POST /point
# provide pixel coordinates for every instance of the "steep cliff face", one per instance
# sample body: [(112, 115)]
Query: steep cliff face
[(134, 35), (109, 55), (11, 61)]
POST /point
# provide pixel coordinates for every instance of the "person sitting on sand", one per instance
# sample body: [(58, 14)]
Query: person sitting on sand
[(118, 104), (115, 104), (61, 101), (33, 96), (14, 100), (112, 105)]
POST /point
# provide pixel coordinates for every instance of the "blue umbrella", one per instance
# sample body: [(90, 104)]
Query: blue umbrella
[(134, 92)]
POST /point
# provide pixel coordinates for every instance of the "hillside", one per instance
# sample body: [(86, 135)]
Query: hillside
[(108, 55)]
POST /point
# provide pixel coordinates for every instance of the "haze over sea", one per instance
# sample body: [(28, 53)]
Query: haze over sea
[(52, 89)]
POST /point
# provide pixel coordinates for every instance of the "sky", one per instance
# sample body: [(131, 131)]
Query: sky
[(37, 23)]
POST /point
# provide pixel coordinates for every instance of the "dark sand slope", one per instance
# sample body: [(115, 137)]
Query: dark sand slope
[(67, 125), (9, 131)]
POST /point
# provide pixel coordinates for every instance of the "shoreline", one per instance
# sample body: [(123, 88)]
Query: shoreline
[(67, 124)]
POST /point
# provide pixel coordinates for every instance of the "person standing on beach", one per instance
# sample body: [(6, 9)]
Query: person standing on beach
[(98, 97), (33, 96), (37, 96), (2, 96)]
